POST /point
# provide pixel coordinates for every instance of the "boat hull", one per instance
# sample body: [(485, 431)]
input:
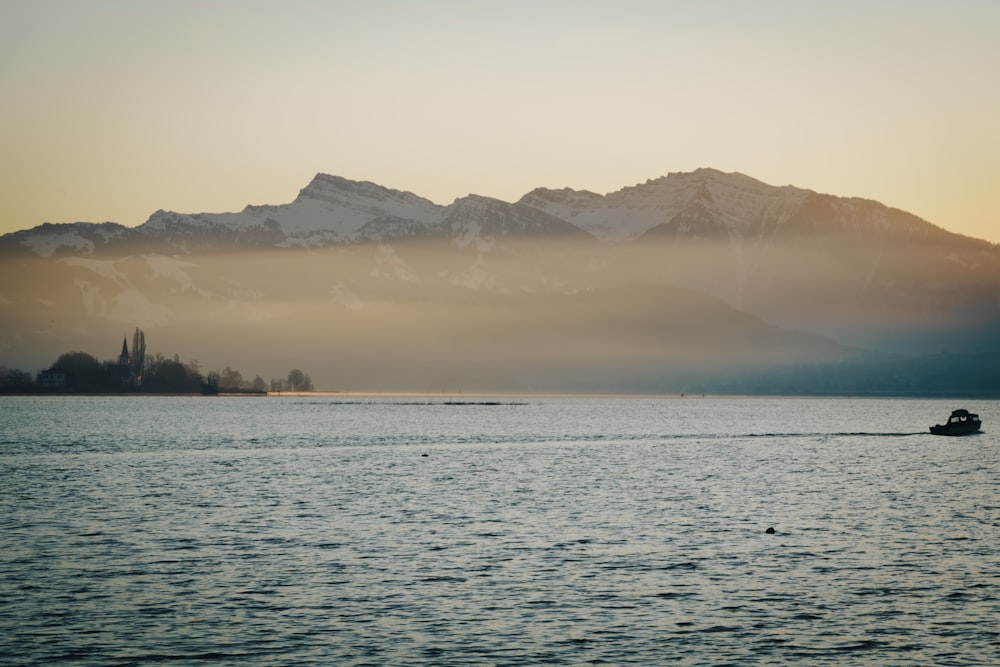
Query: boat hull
[(956, 429), (961, 422)]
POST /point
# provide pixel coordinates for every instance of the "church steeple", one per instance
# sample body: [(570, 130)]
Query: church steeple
[(123, 358)]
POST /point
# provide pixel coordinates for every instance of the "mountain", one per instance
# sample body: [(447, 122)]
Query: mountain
[(328, 211), (702, 205), (389, 276)]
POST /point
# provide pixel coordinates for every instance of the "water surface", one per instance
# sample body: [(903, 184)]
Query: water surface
[(467, 531)]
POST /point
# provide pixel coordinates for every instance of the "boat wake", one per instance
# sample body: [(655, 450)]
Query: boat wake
[(842, 434)]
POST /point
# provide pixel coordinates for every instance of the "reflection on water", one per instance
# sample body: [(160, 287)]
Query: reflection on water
[(556, 531)]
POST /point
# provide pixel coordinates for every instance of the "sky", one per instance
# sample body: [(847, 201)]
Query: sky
[(110, 110)]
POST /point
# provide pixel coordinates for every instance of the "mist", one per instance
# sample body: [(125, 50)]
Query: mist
[(546, 315)]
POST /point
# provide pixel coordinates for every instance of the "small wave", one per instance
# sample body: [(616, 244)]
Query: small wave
[(685, 565), (720, 628)]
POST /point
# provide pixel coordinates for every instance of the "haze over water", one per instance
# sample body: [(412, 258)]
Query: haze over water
[(373, 531)]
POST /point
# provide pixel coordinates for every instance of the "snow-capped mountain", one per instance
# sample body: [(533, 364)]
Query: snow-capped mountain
[(480, 220), (66, 238), (709, 204), (330, 210), (704, 204)]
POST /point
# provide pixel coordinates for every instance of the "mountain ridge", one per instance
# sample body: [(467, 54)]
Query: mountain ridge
[(705, 203)]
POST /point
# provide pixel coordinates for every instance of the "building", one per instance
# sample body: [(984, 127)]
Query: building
[(50, 379), (120, 371)]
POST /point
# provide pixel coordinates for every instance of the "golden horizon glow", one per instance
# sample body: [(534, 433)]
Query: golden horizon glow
[(115, 109)]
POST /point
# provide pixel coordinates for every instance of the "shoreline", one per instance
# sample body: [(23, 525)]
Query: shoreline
[(461, 396)]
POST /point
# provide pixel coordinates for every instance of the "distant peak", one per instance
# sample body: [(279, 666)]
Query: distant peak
[(710, 177), (564, 195), (705, 174), (325, 183), (327, 187), (473, 199)]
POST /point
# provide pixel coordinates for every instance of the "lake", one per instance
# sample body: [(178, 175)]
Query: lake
[(405, 530)]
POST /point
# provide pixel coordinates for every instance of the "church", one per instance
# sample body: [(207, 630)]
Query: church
[(120, 370)]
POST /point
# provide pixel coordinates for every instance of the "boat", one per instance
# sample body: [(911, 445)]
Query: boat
[(960, 423)]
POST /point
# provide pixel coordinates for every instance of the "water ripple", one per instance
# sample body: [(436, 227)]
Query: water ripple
[(611, 531)]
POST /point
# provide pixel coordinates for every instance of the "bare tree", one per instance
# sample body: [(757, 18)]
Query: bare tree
[(230, 379), (138, 354)]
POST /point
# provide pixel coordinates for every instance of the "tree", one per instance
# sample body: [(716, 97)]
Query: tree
[(13, 379), (211, 385), (299, 381), (82, 370), (230, 380), (171, 375), (138, 354)]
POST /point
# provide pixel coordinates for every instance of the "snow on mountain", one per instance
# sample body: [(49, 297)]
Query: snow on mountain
[(79, 237), (703, 202), (46, 245), (335, 210), (367, 196), (481, 220), (328, 210), (347, 207)]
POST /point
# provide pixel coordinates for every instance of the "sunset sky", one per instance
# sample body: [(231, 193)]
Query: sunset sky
[(113, 109)]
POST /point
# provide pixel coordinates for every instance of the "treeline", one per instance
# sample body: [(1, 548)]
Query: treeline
[(80, 372), (232, 381)]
